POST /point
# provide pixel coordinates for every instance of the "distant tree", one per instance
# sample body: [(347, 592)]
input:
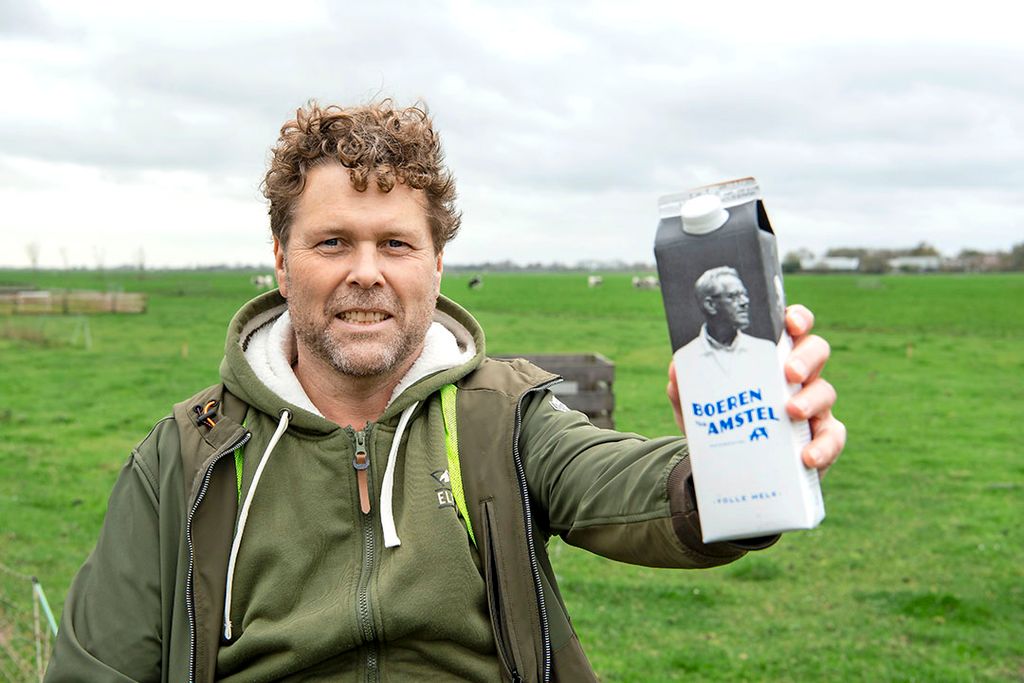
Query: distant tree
[(1015, 259), (791, 262), (32, 248), (970, 259), (848, 252), (924, 249), (874, 262)]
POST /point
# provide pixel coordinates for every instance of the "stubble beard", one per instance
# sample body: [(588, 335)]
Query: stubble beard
[(364, 359)]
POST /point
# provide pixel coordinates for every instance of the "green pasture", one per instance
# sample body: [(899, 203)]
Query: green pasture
[(917, 573)]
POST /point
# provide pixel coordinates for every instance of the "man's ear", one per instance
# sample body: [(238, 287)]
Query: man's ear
[(708, 304), (279, 268), (438, 272)]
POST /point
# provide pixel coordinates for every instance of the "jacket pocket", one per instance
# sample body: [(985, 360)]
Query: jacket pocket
[(496, 595)]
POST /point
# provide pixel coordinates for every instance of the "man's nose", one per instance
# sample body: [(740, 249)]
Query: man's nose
[(364, 267)]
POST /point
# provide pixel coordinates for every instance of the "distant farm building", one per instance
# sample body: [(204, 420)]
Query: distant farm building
[(916, 264), (830, 263)]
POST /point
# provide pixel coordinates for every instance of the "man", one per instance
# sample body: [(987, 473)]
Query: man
[(309, 519), (723, 300)]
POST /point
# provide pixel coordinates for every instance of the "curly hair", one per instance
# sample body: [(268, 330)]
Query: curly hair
[(375, 142)]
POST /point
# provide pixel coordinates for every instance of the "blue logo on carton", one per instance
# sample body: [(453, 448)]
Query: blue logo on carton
[(743, 410)]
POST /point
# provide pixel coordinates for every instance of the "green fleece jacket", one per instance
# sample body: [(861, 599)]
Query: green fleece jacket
[(320, 589)]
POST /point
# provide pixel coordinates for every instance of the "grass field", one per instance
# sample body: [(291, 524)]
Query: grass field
[(917, 573)]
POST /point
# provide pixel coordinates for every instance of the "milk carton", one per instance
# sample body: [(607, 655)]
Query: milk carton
[(722, 289)]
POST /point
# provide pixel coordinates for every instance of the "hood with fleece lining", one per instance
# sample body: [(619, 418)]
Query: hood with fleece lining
[(256, 321), (257, 368)]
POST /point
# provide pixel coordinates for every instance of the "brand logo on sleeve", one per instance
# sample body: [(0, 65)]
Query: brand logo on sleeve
[(444, 492)]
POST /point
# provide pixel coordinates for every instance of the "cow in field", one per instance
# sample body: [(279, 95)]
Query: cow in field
[(594, 281), (262, 281), (647, 282)]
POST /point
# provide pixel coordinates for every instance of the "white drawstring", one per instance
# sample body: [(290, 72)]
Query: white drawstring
[(236, 543), (387, 514)]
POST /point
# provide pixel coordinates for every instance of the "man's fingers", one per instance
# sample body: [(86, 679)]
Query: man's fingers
[(672, 389), (816, 398), (799, 320), (807, 358), (828, 442)]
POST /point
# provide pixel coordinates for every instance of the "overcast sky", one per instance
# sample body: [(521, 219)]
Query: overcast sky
[(143, 127)]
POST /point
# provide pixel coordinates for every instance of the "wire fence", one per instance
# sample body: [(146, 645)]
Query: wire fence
[(27, 629)]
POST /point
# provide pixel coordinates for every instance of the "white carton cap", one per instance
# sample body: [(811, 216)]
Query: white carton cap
[(703, 214)]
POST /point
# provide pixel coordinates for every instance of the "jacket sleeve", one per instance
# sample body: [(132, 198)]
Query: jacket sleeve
[(617, 494), (110, 629)]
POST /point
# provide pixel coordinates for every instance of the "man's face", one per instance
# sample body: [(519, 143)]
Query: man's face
[(732, 302), (360, 274)]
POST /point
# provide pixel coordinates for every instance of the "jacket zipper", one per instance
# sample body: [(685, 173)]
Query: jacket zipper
[(361, 463), (545, 630), (189, 597)]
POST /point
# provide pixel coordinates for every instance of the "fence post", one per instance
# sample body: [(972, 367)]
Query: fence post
[(38, 587), (36, 634)]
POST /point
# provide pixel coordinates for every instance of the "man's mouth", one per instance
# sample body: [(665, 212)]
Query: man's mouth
[(363, 317)]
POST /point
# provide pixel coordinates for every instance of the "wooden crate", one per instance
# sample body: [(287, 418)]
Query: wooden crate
[(588, 383)]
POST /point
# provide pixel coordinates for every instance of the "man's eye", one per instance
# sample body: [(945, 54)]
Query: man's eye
[(332, 242), (396, 244)]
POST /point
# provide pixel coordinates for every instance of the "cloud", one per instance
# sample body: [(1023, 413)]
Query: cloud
[(19, 18), (563, 123)]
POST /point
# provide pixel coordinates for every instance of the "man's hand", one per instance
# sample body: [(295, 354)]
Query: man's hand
[(815, 399), (813, 402)]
